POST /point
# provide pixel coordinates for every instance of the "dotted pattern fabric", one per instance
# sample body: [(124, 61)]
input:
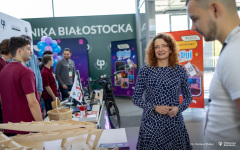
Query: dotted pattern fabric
[(162, 86)]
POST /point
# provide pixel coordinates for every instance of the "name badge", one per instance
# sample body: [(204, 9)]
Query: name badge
[(70, 74)]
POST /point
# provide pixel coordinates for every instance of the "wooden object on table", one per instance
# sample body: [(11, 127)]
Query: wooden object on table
[(59, 114), (61, 134), (46, 126), (54, 130), (10, 144)]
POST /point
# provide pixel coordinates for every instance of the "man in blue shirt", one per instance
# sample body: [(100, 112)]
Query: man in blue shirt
[(33, 64)]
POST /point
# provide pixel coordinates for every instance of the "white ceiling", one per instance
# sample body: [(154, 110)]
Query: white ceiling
[(173, 6)]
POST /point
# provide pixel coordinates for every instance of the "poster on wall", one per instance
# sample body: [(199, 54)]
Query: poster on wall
[(190, 45), (11, 26), (123, 62), (78, 47)]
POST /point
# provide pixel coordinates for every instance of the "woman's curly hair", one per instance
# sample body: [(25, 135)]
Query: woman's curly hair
[(151, 59)]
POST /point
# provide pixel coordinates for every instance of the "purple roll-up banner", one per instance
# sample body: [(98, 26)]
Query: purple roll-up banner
[(124, 60)]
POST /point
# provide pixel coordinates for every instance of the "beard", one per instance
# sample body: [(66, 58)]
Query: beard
[(26, 58), (67, 58), (212, 31)]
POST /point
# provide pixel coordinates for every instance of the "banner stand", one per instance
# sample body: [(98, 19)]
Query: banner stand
[(77, 91)]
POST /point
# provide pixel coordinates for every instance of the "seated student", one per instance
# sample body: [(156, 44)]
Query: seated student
[(49, 82), (18, 91)]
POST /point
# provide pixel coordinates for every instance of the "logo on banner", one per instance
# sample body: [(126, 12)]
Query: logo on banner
[(100, 64), (26, 30), (3, 24), (89, 48), (16, 28), (109, 47)]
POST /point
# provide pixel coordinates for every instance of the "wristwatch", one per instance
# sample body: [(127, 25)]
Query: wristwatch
[(154, 107)]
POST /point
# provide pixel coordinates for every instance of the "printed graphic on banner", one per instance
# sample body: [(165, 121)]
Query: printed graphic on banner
[(191, 57), (124, 62), (78, 47), (76, 91)]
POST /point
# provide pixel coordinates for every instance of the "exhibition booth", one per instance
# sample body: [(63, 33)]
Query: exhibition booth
[(104, 50), (98, 51)]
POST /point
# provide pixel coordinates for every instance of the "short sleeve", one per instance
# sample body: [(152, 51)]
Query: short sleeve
[(45, 79), (28, 82), (230, 72)]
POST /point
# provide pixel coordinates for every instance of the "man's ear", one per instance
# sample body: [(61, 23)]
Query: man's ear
[(215, 9), (19, 51)]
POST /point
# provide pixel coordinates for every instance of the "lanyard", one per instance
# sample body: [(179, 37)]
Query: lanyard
[(3, 58), (17, 60)]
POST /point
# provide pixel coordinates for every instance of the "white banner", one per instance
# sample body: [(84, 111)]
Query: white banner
[(10, 26), (76, 91)]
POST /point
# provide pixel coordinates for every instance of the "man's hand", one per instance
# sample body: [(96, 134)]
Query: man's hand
[(199, 73), (134, 65), (39, 94), (64, 87), (173, 111), (163, 110), (34, 107), (54, 98)]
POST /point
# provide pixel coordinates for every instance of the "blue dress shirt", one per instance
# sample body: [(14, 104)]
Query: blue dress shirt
[(33, 64)]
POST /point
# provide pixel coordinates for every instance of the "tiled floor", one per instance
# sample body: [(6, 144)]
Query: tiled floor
[(194, 121)]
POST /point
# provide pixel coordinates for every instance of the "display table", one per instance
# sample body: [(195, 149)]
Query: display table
[(94, 114), (79, 142)]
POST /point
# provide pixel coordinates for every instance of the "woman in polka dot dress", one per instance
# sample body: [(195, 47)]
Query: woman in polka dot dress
[(162, 126)]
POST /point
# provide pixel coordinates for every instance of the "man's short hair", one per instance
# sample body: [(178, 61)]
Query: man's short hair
[(4, 47), (230, 5), (46, 59), (27, 37), (17, 42), (47, 53), (67, 49), (39, 59)]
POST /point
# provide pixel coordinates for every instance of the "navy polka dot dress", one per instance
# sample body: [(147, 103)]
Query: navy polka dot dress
[(162, 86)]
